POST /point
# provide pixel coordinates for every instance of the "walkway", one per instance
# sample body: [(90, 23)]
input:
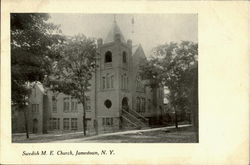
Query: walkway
[(78, 140)]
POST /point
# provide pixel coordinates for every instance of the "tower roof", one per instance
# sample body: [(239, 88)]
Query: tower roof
[(113, 31)]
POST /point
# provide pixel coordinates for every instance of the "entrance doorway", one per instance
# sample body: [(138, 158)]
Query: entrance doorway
[(35, 125), (125, 104)]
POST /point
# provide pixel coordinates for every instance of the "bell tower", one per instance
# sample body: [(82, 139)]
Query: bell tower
[(113, 77)]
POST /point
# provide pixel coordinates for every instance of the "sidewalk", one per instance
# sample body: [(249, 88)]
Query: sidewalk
[(59, 137), (120, 133)]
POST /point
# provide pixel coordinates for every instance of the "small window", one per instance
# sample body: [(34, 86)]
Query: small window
[(88, 105), (108, 80), (66, 104), (124, 57), (108, 103), (54, 104), (108, 121), (66, 123), (112, 81), (73, 123), (103, 82), (108, 57)]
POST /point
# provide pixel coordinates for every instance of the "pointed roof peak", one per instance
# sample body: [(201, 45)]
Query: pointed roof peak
[(115, 29)]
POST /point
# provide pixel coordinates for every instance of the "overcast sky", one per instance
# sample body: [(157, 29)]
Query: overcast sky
[(150, 30)]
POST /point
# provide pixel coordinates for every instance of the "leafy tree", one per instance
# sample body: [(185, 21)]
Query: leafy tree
[(32, 40), (174, 65), (73, 72)]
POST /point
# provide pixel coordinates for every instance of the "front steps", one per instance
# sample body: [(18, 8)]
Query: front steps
[(133, 120)]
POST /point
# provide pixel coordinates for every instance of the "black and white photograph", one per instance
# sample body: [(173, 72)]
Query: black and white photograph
[(124, 82), (104, 78)]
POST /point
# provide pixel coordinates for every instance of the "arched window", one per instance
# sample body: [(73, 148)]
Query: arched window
[(124, 57), (108, 56)]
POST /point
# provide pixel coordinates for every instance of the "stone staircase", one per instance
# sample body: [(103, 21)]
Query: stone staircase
[(132, 119)]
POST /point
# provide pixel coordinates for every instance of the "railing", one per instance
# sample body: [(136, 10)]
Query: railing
[(138, 115), (134, 118), (129, 121)]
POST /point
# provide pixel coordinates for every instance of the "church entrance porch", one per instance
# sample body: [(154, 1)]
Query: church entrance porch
[(125, 104)]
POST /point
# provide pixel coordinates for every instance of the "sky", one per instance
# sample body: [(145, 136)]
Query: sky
[(150, 30)]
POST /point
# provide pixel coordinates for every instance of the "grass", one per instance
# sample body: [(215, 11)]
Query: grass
[(44, 138), (182, 135)]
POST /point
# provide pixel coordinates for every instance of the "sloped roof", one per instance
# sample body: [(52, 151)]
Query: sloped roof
[(113, 31), (134, 48)]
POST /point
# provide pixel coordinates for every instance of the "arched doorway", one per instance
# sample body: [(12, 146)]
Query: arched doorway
[(125, 104), (35, 125)]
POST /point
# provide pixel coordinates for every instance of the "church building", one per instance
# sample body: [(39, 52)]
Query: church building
[(118, 99)]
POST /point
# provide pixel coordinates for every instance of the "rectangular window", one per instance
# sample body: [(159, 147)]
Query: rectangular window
[(149, 104), (35, 108), (74, 104), (143, 105), (66, 123), (58, 123), (66, 104), (73, 123), (127, 83), (103, 82), (88, 104), (122, 82), (112, 81), (108, 121), (50, 123), (54, 123), (54, 105), (108, 81)]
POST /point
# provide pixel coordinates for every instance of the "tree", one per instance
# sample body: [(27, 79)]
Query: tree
[(172, 65), (32, 38), (73, 72)]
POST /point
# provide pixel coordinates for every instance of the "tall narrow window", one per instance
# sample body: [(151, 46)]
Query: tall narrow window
[(74, 105), (58, 123), (108, 57), (142, 105), (88, 105), (127, 82), (108, 80), (138, 104), (124, 57), (66, 123), (112, 81), (37, 108), (122, 81), (66, 104), (73, 123), (103, 82), (54, 104)]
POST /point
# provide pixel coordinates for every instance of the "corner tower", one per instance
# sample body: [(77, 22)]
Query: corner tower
[(113, 78)]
